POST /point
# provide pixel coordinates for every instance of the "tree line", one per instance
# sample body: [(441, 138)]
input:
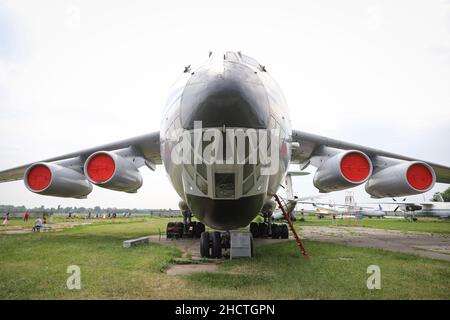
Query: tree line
[(97, 209)]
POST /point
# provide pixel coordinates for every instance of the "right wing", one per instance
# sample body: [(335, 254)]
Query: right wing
[(146, 146), (311, 144)]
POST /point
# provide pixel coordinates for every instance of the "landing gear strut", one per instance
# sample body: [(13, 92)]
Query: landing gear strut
[(185, 229)]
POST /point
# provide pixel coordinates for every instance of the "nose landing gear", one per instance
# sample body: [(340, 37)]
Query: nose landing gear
[(212, 243)]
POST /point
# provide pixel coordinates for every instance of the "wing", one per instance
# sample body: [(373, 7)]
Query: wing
[(146, 146), (311, 145)]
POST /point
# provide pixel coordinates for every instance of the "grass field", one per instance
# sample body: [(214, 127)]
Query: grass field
[(34, 267)]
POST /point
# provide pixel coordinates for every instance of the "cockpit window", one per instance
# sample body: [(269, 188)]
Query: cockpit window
[(224, 185)]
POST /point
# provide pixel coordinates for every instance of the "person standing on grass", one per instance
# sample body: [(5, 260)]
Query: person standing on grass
[(26, 216)]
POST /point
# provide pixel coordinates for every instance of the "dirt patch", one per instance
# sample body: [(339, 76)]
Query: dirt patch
[(421, 244), (184, 269), (53, 227)]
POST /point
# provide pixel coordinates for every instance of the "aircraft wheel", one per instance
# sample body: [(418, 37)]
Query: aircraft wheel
[(204, 245), (169, 230), (179, 229), (197, 231), (284, 232), (254, 230), (275, 231), (262, 230), (216, 248)]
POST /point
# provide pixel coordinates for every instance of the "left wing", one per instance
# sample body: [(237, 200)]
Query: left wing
[(146, 146)]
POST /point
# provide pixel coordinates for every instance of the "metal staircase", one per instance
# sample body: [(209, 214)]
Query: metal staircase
[(287, 216)]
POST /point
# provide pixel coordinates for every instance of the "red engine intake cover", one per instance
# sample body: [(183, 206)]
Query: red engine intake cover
[(355, 167), (101, 168), (419, 176), (39, 177)]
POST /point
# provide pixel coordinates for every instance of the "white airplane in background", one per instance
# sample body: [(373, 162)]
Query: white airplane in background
[(230, 94), (435, 208), (351, 210)]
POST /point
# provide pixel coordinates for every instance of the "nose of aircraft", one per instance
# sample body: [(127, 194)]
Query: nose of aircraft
[(233, 96)]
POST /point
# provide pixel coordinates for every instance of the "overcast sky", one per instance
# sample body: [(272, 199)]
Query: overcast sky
[(75, 74)]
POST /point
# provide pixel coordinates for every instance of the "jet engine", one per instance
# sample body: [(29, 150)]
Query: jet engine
[(402, 179), (112, 171), (54, 180), (342, 171)]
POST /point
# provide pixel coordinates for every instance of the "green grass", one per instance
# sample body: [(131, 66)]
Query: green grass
[(34, 267), (431, 225), (332, 272)]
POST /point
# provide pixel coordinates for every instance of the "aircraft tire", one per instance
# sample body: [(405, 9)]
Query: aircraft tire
[(275, 231), (254, 229), (284, 232), (169, 229), (216, 248), (262, 232), (180, 228), (204, 245)]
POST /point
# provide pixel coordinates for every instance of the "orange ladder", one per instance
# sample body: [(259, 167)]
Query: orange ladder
[(291, 225)]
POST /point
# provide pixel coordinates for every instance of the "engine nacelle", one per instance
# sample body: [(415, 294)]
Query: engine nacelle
[(112, 171), (54, 180), (342, 171), (403, 179)]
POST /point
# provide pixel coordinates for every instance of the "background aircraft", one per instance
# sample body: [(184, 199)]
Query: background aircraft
[(230, 91), (436, 208), (353, 210)]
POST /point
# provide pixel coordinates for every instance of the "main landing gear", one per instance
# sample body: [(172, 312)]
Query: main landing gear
[(269, 230), (185, 229)]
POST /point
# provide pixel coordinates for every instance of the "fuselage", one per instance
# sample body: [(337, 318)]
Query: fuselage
[(230, 97)]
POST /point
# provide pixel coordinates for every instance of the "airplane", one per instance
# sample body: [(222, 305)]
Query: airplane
[(233, 97), (435, 208), (352, 210)]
